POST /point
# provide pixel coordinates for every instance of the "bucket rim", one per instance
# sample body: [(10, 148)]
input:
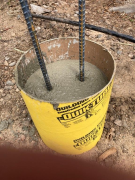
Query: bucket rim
[(59, 102)]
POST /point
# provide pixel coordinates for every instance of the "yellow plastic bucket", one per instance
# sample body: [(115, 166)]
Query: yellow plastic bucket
[(69, 127)]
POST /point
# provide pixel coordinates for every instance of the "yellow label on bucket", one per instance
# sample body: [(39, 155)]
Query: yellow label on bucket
[(83, 110), (71, 128), (85, 140)]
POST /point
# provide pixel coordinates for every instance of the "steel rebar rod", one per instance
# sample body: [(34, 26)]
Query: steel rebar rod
[(81, 38), (31, 28)]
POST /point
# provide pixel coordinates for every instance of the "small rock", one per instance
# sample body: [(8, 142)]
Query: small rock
[(128, 8), (112, 129), (53, 23), (7, 58), (5, 44), (114, 28), (123, 108), (72, 5), (16, 135), (133, 97), (68, 15), (1, 99), (75, 15), (13, 81), (38, 29), (40, 2), (29, 119), (13, 34), (87, 33), (3, 125), (17, 90), (9, 83), (34, 138), (108, 37), (117, 108), (107, 22), (18, 17), (107, 125), (119, 52), (123, 117), (45, 6), (22, 137), (77, 12), (124, 150), (12, 64), (8, 87), (55, 11), (8, 97), (118, 122), (110, 109), (6, 63), (31, 131), (24, 112), (39, 10), (63, 3), (1, 137), (124, 124), (99, 35), (10, 121), (131, 56), (1, 90), (25, 128), (110, 134)]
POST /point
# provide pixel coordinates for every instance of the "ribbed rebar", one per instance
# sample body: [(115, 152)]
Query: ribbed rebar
[(81, 38), (31, 28)]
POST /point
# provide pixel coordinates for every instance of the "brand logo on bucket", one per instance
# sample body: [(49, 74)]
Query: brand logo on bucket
[(90, 137), (80, 111)]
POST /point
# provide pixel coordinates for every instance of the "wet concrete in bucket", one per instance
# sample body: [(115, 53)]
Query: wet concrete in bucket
[(66, 85)]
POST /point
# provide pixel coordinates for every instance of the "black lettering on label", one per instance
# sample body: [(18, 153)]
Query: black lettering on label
[(73, 115), (67, 116), (91, 136), (81, 111), (87, 111), (72, 106)]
